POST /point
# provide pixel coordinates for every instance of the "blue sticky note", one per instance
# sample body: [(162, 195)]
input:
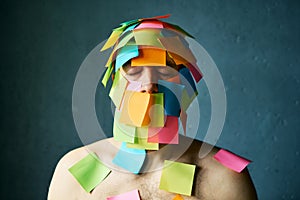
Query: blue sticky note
[(126, 53), (172, 96), (130, 159), (188, 81)]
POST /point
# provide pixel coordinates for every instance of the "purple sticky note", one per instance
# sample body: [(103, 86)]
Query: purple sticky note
[(134, 85), (231, 160), (132, 195)]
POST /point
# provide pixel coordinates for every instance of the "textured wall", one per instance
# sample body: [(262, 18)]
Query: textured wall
[(254, 43)]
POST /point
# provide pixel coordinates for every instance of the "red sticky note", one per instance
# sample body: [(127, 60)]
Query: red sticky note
[(231, 160), (167, 134)]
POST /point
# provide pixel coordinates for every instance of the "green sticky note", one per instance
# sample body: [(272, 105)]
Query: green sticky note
[(123, 132), (107, 75), (148, 38), (89, 172), (117, 89), (156, 110), (142, 140), (177, 177)]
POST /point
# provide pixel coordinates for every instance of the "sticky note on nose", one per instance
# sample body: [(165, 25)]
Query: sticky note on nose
[(135, 107)]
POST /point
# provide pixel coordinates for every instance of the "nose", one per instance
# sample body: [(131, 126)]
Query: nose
[(149, 88)]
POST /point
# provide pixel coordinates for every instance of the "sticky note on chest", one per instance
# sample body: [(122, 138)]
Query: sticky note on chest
[(177, 177), (131, 195)]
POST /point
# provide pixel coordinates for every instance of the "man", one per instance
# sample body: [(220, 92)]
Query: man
[(153, 86)]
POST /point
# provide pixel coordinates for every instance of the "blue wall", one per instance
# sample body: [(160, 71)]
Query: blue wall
[(255, 44)]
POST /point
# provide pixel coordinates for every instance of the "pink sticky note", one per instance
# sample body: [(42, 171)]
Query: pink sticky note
[(231, 160), (150, 24), (134, 86), (132, 195), (167, 134)]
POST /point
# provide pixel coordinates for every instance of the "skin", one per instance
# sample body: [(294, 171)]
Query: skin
[(212, 180)]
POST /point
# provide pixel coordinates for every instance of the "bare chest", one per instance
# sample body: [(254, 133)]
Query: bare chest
[(147, 184)]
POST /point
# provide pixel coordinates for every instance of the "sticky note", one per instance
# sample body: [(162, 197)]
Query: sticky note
[(89, 172), (177, 28), (186, 100), (130, 159), (150, 24), (156, 17), (150, 57), (135, 107), (117, 89), (142, 140), (172, 96), (183, 119), (178, 197), (177, 177), (167, 134), (107, 75), (126, 53), (188, 81), (231, 160), (123, 132), (112, 39), (134, 85), (195, 71), (156, 110), (147, 37), (174, 45), (123, 41), (131, 195)]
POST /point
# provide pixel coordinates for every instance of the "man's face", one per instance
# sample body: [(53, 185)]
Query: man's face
[(149, 76)]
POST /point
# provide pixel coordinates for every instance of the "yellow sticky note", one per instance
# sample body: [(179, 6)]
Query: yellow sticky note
[(134, 109), (177, 177), (117, 89), (150, 57), (112, 39), (142, 140)]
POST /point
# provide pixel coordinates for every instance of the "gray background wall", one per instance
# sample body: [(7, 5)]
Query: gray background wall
[(254, 43)]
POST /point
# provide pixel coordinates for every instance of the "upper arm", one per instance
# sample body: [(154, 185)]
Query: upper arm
[(236, 186)]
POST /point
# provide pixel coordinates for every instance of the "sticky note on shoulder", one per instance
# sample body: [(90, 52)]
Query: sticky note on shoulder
[(231, 160), (131, 195), (177, 177), (89, 172), (130, 159)]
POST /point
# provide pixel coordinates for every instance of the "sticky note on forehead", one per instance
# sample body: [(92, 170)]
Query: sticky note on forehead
[(150, 57)]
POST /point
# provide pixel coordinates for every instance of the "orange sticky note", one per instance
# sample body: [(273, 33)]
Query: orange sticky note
[(135, 107), (150, 57), (178, 197)]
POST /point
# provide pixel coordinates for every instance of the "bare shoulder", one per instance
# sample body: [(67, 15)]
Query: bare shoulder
[(63, 185), (215, 181)]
